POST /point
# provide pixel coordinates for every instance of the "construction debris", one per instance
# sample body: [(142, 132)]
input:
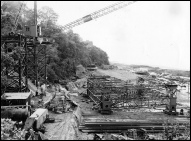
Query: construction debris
[(61, 102), (151, 137), (72, 87), (120, 137), (107, 136), (81, 83), (9, 131)]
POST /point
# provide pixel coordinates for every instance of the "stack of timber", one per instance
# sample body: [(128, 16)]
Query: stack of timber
[(117, 127)]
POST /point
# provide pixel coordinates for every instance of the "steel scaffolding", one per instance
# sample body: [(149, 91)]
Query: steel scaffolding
[(15, 45), (29, 58)]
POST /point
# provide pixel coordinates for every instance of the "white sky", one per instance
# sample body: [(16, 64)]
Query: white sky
[(155, 33)]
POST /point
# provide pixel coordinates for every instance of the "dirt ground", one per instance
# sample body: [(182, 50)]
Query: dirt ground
[(66, 125), (63, 128), (124, 115), (121, 114), (155, 115)]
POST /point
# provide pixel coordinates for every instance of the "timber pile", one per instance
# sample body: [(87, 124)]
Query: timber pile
[(9, 131)]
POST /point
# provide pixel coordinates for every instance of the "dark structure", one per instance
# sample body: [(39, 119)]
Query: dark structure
[(15, 44), (16, 106), (36, 61), (29, 62)]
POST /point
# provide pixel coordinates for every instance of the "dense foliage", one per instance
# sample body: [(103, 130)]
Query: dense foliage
[(65, 53)]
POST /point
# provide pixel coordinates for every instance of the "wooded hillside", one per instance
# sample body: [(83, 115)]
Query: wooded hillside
[(68, 50)]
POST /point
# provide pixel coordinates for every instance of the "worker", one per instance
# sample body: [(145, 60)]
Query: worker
[(43, 89), (181, 112), (31, 131), (102, 99)]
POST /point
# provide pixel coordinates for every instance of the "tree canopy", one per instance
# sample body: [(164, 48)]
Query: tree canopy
[(68, 50)]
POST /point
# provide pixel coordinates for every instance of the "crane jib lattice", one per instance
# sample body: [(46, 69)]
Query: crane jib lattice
[(98, 14)]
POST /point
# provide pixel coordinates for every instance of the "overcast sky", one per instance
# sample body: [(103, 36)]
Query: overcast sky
[(155, 33)]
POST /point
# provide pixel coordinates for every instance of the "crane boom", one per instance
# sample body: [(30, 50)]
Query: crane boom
[(98, 14)]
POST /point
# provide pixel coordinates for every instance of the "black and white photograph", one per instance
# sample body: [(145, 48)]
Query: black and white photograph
[(95, 70)]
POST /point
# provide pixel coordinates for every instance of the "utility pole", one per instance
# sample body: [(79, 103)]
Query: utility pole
[(35, 12), (35, 48), (39, 53)]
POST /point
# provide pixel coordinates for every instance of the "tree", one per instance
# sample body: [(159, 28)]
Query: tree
[(68, 50), (11, 18)]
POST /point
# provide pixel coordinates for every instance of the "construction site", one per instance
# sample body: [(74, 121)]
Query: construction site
[(108, 103)]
